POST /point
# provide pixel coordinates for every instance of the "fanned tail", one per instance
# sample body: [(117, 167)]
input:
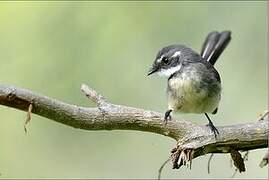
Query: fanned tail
[(214, 45)]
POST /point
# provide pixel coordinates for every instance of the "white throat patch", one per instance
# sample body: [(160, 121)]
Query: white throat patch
[(170, 71)]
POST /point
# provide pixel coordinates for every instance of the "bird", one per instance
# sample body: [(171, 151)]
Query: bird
[(193, 85)]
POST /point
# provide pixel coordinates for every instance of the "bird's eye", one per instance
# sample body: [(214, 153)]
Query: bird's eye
[(165, 60)]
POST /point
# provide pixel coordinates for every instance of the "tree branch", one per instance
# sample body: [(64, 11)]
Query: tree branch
[(192, 140)]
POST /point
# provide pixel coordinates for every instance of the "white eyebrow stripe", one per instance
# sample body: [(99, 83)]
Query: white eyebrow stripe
[(177, 53)]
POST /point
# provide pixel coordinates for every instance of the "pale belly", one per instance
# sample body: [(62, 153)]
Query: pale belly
[(186, 95)]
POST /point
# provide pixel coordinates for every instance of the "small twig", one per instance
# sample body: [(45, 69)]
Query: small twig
[(238, 160), (162, 166), (191, 156), (175, 156), (181, 159), (245, 158), (235, 171), (264, 116), (93, 95), (265, 160), (208, 163), (28, 116)]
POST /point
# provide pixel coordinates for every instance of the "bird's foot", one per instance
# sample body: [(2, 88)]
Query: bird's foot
[(211, 126), (213, 129), (167, 116)]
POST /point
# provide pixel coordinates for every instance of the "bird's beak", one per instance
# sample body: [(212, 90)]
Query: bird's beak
[(152, 70)]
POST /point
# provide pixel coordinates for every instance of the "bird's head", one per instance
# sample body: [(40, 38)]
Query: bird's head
[(169, 59)]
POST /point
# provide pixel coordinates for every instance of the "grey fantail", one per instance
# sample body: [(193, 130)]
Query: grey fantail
[(194, 85)]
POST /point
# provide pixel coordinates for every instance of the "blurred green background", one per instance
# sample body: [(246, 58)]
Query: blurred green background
[(53, 47)]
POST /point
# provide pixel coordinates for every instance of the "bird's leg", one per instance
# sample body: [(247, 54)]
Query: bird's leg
[(167, 115), (211, 126)]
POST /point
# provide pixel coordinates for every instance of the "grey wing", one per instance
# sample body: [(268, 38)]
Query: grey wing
[(213, 78)]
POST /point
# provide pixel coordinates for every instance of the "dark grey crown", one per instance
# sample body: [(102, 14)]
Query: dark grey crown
[(186, 52)]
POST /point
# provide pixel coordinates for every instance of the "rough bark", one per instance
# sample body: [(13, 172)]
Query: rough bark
[(192, 140)]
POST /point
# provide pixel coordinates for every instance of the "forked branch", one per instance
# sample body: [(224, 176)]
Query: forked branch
[(192, 140)]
